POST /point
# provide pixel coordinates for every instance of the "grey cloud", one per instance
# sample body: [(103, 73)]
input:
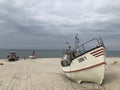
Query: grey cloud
[(51, 21)]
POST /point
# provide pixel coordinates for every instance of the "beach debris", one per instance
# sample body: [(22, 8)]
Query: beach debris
[(114, 63), (1, 63)]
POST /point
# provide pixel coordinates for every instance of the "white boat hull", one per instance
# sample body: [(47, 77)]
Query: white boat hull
[(31, 57), (87, 67)]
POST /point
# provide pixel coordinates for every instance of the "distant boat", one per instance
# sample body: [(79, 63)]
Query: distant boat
[(12, 56), (83, 64), (32, 55)]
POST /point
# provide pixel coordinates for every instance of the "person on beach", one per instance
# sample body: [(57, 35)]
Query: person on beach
[(24, 57)]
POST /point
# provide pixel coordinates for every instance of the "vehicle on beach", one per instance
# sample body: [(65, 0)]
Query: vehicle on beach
[(12, 56), (86, 62), (32, 55)]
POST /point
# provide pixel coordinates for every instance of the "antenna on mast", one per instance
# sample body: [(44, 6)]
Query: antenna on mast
[(68, 44)]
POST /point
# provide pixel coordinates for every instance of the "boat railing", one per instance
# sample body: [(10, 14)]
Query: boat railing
[(89, 45)]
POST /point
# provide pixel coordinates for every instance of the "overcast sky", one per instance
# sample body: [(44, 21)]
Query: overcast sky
[(48, 24)]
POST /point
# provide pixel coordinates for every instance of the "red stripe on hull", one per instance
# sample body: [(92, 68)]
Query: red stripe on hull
[(99, 55), (96, 51), (85, 68)]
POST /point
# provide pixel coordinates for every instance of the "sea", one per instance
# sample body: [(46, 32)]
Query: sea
[(40, 53)]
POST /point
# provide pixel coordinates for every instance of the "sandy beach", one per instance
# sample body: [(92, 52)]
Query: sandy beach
[(46, 74)]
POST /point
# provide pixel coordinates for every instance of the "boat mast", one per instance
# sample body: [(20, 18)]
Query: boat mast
[(76, 42)]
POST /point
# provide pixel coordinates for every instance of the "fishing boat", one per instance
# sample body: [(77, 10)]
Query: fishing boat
[(12, 56), (86, 62), (32, 55)]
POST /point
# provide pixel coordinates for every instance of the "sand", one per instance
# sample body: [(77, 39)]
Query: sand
[(46, 74)]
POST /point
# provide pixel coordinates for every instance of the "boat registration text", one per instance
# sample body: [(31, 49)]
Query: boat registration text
[(82, 59)]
